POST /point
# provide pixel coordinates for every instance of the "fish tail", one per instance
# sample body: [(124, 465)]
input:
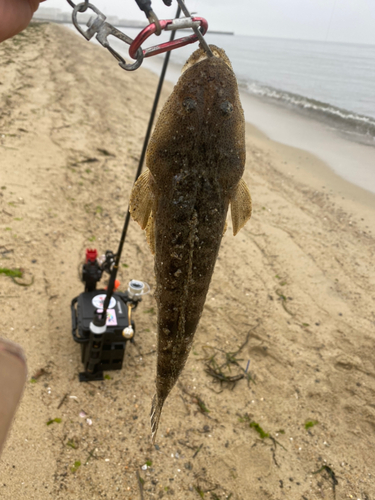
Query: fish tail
[(156, 408)]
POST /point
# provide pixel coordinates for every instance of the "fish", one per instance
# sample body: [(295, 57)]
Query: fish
[(195, 161)]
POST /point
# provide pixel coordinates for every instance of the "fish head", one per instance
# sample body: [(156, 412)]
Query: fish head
[(200, 55), (202, 122)]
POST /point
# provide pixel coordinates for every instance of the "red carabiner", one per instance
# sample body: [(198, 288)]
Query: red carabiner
[(164, 47)]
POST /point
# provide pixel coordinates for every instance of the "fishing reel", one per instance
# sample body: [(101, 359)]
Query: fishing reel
[(103, 347)]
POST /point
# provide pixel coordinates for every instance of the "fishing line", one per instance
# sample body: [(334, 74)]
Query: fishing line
[(330, 21), (114, 271)]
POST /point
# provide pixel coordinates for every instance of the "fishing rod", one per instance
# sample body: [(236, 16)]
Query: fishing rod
[(102, 319), (140, 164)]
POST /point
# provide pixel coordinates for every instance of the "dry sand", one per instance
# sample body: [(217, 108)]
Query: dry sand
[(296, 286)]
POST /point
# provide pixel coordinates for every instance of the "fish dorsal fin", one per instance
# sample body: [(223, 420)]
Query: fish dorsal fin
[(240, 206), (141, 199), (150, 233)]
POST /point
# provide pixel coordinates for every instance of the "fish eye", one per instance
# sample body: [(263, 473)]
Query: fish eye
[(226, 107), (189, 104)]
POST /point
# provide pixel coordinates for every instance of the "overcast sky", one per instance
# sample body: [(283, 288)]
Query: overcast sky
[(332, 20)]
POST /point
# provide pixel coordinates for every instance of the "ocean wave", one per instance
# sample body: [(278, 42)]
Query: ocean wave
[(363, 127)]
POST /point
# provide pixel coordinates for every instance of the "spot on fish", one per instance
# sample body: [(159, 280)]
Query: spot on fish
[(189, 104), (226, 107)]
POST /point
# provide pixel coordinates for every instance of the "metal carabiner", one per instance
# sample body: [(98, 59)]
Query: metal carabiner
[(106, 30), (169, 24), (102, 29)]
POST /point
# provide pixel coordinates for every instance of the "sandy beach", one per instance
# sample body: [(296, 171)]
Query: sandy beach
[(293, 293)]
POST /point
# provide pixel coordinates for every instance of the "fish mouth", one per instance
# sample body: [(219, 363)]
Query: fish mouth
[(200, 55)]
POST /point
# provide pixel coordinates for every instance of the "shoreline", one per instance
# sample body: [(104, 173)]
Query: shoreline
[(351, 161), (289, 127), (276, 124), (291, 293)]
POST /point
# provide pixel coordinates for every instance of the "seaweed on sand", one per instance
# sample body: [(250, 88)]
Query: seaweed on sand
[(15, 274), (332, 476), (222, 372), (262, 434)]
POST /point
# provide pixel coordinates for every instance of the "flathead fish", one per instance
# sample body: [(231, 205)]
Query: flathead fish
[(195, 161)]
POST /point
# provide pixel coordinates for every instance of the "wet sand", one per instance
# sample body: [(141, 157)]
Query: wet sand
[(293, 290)]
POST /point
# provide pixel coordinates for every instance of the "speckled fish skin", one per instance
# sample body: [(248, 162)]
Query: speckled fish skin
[(196, 159)]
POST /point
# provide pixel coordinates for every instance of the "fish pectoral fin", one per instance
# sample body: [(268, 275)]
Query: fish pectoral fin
[(240, 204), (150, 233), (141, 199), (225, 227)]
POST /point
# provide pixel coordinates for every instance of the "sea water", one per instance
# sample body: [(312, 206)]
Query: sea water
[(334, 82)]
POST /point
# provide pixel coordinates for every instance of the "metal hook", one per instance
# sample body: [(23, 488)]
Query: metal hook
[(203, 42), (102, 29), (153, 18), (106, 30)]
